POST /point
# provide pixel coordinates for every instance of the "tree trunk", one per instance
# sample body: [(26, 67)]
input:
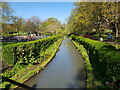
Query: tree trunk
[(38, 33), (17, 34), (117, 35), (30, 33)]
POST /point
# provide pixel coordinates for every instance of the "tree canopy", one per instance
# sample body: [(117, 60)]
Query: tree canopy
[(11, 23), (87, 16)]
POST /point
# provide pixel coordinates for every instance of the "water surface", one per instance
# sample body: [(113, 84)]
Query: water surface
[(66, 70)]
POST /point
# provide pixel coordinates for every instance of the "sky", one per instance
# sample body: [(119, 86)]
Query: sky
[(44, 10)]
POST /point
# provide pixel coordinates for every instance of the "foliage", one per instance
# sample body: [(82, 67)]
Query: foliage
[(6, 43), (52, 25), (33, 24), (17, 24), (6, 17), (26, 52), (105, 59), (7, 12), (99, 16), (12, 23), (24, 72), (91, 82)]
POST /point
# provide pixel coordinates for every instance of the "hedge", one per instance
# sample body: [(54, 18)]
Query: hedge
[(105, 60), (27, 52), (21, 73), (91, 82)]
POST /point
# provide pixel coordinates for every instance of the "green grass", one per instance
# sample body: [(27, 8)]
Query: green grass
[(105, 60), (91, 82)]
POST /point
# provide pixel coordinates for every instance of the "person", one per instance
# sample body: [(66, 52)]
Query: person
[(101, 39), (109, 36)]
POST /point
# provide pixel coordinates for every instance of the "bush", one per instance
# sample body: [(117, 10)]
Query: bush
[(91, 83), (26, 52), (105, 59), (20, 72), (6, 43)]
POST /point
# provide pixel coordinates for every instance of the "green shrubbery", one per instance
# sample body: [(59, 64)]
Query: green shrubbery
[(91, 82), (105, 60), (6, 43), (26, 52), (28, 55)]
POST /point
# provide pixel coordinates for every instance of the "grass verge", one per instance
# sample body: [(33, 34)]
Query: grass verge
[(91, 82)]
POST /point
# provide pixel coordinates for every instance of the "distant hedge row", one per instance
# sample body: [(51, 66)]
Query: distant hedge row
[(27, 52), (105, 59)]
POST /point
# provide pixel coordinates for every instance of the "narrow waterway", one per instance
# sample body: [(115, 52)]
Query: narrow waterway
[(66, 70)]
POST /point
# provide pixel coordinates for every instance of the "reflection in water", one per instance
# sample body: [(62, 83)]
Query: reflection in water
[(66, 70)]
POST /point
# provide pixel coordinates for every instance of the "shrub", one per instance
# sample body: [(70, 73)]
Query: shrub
[(26, 52), (105, 59), (24, 72)]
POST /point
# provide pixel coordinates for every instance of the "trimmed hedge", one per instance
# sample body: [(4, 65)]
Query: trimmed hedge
[(26, 52), (7, 43), (105, 60), (21, 73), (91, 82)]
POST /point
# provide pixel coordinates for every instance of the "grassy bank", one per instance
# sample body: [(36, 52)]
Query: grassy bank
[(21, 73), (91, 82), (104, 59)]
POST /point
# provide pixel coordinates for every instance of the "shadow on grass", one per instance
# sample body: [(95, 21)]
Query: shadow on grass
[(16, 83), (109, 48)]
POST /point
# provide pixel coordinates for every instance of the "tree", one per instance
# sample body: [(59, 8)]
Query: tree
[(28, 26), (110, 13), (51, 24), (99, 16), (81, 18), (6, 14), (52, 20), (56, 27), (36, 24), (33, 24), (18, 24)]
